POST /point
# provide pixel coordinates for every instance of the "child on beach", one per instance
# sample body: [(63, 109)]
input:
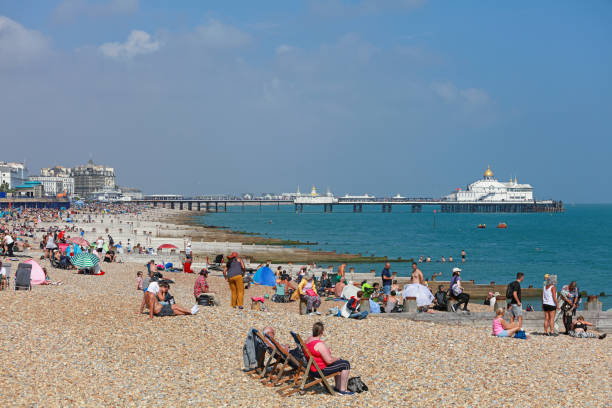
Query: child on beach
[(139, 280), (501, 328)]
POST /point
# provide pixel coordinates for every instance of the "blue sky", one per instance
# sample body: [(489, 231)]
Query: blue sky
[(377, 96)]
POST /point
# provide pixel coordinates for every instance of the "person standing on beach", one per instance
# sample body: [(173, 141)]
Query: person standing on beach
[(233, 272), (342, 270), (549, 305), (514, 294), (569, 303), (387, 279)]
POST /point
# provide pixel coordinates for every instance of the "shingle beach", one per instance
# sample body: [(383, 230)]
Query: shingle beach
[(84, 344)]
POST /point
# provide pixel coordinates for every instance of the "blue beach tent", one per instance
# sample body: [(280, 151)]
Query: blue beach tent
[(265, 276)]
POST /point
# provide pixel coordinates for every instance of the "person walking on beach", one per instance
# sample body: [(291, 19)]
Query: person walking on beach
[(549, 305), (387, 279), (513, 292), (233, 272)]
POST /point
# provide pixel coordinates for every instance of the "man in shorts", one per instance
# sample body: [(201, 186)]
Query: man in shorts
[(161, 305), (514, 294)]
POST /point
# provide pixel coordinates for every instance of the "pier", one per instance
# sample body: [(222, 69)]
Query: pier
[(385, 204)]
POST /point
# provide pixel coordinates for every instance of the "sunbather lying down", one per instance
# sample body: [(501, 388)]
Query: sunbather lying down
[(159, 306)]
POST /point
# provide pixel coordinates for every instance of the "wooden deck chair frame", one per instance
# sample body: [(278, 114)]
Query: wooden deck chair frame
[(278, 372), (306, 376), (267, 367)]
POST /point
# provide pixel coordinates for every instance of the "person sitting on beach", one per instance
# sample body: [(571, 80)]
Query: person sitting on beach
[(350, 310), (441, 299), (201, 287), (326, 284), (308, 293), (109, 256), (579, 329), (501, 328), (328, 364), (457, 291), (339, 288), (392, 305), (159, 304)]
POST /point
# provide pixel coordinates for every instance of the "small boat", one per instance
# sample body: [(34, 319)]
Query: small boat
[(502, 225), (482, 226)]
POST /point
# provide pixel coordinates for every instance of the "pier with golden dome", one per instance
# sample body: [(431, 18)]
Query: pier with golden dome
[(486, 195)]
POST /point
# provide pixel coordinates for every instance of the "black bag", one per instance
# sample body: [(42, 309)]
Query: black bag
[(356, 385), (204, 300)]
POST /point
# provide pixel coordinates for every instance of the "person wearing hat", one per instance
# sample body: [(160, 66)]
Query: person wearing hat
[(233, 271), (457, 291), (308, 293), (201, 288)]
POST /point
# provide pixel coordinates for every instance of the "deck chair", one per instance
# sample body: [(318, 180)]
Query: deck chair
[(270, 365), (295, 366), (308, 379), (22, 277)]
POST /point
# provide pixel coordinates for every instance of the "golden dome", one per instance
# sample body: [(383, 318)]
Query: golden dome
[(488, 173)]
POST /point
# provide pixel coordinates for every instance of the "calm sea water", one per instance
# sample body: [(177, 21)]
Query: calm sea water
[(575, 245)]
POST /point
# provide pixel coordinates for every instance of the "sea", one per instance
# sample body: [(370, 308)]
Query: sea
[(574, 245)]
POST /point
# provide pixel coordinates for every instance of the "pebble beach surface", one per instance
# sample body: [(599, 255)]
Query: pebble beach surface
[(84, 344)]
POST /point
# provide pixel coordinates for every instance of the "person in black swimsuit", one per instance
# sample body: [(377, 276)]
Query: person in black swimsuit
[(579, 329)]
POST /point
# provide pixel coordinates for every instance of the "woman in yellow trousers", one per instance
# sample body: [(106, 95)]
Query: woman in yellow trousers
[(233, 272)]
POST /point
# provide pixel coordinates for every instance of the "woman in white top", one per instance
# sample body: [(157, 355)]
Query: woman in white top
[(549, 304)]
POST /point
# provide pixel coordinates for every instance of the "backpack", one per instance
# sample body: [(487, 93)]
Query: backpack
[(356, 385), (509, 292)]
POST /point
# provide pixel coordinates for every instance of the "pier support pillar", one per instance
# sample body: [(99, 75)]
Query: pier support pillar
[(225, 206), (386, 208), (207, 206), (199, 206), (216, 206), (189, 205), (172, 205)]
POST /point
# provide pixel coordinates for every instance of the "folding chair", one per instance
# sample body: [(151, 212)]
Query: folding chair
[(287, 360), (22, 276), (281, 295), (308, 375), (267, 367)]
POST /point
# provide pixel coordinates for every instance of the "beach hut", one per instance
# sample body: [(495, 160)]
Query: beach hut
[(37, 276), (265, 276)]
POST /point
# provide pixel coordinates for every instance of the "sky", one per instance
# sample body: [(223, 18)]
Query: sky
[(365, 96)]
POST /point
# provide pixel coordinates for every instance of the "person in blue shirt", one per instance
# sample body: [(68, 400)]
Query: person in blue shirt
[(387, 279)]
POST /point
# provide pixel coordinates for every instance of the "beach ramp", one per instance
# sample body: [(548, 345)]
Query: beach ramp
[(265, 276)]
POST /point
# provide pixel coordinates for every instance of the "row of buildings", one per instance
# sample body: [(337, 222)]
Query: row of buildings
[(88, 181)]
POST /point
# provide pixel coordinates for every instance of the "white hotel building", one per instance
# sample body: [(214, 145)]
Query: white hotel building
[(490, 190)]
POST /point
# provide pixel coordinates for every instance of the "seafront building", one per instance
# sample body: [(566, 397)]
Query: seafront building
[(488, 189), (93, 178), (13, 174), (56, 181)]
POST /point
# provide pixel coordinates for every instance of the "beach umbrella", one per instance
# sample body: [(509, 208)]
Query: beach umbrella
[(84, 260), (265, 276), (79, 241), (37, 277), (165, 246), (63, 247)]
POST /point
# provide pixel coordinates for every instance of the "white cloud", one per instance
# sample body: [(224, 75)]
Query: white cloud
[(70, 9), (468, 96), (218, 35), (137, 43), (445, 90), (475, 96), (18, 44), (284, 49)]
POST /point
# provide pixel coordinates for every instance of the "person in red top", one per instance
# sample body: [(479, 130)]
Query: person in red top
[(201, 287), (326, 362), (187, 266)]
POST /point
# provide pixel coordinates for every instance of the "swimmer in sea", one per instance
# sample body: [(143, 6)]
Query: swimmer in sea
[(450, 259), (463, 255), (443, 259)]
